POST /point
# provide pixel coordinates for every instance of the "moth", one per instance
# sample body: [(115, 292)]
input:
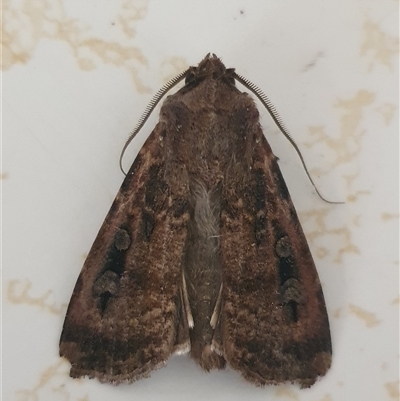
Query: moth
[(201, 252)]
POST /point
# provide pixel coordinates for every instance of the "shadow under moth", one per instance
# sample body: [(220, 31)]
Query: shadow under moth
[(201, 252)]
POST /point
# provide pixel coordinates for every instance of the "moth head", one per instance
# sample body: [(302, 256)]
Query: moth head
[(210, 67)]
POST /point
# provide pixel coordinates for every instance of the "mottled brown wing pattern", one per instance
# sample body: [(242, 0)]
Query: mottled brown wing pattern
[(202, 250), (273, 319), (123, 319)]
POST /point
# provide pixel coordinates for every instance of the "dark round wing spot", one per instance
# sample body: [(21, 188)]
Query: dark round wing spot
[(283, 248)]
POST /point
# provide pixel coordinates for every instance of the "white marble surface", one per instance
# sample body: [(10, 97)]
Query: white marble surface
[(77, 76)]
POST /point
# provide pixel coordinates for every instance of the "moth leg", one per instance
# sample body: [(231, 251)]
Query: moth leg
[(215, 322), (186, 304), (217, 310), (182, 345)]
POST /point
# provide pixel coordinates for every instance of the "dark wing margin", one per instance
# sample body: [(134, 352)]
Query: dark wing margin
[(125, 317), (273, 319)]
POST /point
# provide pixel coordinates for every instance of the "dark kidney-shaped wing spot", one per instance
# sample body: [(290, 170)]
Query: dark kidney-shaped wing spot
[(291, 295), (286, 262), (290, 289), (106, 284), (122, 240), (283, 248), (114, 259), (105, 287)]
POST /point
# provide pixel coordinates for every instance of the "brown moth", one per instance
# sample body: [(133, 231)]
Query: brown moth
[(201, 252)]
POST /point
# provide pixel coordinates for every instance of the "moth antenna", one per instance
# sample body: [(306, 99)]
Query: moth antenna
[(149, 109), (278, 121)]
